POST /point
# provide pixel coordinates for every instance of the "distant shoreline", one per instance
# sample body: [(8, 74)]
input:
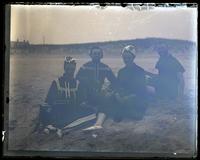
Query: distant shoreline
[(146, 45), (114, 41)]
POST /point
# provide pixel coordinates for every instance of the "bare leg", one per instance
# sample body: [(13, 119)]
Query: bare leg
[(98, 125)]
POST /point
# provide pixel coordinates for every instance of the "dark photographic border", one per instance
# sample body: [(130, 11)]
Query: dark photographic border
[(53, 154)]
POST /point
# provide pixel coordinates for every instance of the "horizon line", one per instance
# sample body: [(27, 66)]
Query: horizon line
[(91, 42)]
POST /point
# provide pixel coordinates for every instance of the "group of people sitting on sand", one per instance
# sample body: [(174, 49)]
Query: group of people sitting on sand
[(85, 100)]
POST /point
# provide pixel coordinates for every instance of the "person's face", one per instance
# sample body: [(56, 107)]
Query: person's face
[(163, 52), (69, 70), (128, 58), (96, 55)]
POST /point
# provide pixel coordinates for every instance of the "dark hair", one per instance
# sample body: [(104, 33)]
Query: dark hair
[(97, 48)]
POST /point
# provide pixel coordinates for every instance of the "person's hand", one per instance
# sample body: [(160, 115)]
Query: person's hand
[(129, 97), (83, 104)]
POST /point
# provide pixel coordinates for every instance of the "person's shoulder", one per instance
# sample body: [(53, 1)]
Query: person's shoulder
[(86, 65), (140, 69), (176, 63), (104, 66), (121, 70), (174, 59)]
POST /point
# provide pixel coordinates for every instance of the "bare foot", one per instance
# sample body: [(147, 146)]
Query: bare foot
[(46, 131), (59, 133), (93, 128), (50, 127)]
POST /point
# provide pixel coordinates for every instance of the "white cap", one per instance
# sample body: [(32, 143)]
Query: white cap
[(130, 49), (69, 59)]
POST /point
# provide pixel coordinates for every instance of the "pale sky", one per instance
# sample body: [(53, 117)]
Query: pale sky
[(59, 24)]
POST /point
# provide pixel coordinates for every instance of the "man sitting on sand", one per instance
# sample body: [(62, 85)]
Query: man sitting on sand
[(169, 83), (91, 77)]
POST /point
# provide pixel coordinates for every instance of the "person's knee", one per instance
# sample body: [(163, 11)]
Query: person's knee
[(150, 90)]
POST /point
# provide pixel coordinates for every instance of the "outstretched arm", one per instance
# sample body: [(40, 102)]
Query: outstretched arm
[(111, 77), (150, 74)]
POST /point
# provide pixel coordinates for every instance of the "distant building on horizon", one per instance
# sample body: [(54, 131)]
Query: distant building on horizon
[(19, 44)]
